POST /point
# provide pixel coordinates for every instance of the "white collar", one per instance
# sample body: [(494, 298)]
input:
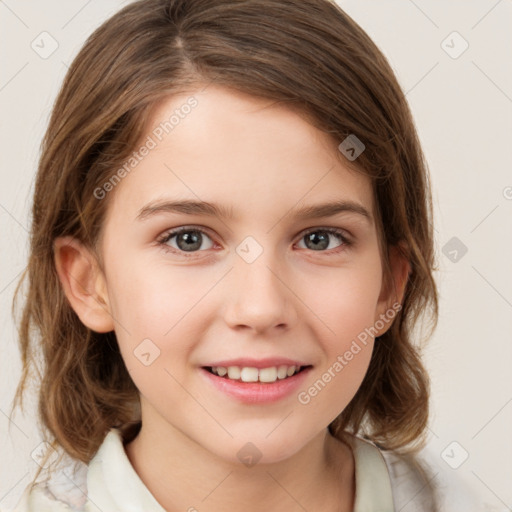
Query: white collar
[(373, 484)]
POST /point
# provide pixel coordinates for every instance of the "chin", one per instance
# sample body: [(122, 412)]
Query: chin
[(258, 450)]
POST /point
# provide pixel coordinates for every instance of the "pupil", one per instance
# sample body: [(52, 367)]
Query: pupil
[(192, 241), (323, 239)]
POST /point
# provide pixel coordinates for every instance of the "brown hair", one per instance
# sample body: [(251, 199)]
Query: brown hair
[(306, 54)]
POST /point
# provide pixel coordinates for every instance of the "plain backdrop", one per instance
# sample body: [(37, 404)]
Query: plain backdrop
[(453, 60)]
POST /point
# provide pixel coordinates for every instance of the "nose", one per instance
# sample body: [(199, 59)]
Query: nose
[(259, 298)]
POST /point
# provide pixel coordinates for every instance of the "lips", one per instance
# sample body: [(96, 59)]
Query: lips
[(256, 392)]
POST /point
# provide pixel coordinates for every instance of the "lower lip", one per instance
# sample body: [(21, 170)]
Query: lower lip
[(255, 392)]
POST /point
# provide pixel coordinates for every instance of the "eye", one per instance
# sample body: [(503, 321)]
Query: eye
[(186, 240), (319, 239)]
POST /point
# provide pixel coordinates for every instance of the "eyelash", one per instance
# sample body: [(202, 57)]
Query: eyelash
[(341, 234)]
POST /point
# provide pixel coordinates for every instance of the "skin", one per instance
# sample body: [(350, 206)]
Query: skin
[(263, 161)]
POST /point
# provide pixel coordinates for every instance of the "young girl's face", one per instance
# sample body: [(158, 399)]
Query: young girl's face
[(264, 282)]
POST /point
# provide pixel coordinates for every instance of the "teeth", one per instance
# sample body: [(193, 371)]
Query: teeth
[(282, 372), (290, 371), (249, 374), (268, 374), (234, 372), (221, 371)]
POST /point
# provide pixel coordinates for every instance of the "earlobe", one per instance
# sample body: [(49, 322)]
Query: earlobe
[(83, 283)]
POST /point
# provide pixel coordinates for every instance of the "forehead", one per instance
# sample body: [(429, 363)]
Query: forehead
[(252, 156)]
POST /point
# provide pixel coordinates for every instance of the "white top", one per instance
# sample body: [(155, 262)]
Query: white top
[(384, 483)]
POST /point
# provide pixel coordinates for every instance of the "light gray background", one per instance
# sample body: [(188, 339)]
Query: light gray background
[(462, 107)]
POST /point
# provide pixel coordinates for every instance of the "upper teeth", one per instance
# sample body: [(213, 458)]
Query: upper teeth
[(249, 374)]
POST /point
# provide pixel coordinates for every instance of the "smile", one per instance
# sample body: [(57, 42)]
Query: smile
[(250, 374), (256, 385)]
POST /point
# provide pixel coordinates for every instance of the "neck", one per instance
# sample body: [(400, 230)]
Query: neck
[(182, 475)]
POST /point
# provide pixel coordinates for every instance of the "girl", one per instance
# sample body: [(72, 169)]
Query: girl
[(231, 245)]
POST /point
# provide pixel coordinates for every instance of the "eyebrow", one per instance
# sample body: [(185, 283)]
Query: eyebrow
[(207, 209)]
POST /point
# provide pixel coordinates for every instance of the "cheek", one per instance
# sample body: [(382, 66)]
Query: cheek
[(348, 345), (159, 311), (151, 299), (345, 303), (154, 332), (345, 300), (335, 385)]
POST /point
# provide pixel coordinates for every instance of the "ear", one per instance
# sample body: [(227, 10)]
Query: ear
[(84, 283), (393, 289)]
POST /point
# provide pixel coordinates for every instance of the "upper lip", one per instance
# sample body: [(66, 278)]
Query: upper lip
[(268, 362)]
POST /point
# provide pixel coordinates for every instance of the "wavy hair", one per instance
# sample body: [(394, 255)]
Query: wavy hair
[(310, 56)]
